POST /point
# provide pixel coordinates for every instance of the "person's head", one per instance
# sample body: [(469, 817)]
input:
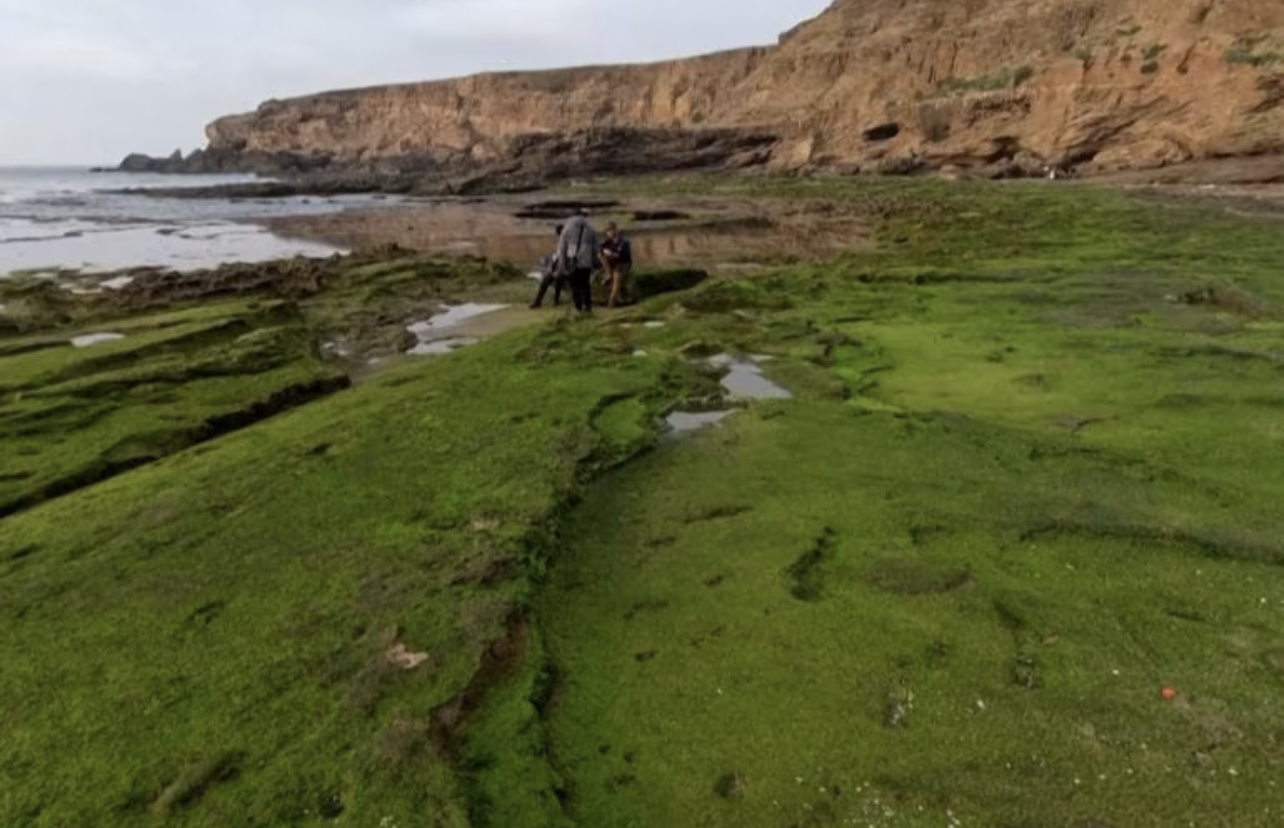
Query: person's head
[(612, 229), (559, 229), (582, 212)]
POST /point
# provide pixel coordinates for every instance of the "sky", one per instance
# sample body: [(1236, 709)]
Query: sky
[(87, 81)]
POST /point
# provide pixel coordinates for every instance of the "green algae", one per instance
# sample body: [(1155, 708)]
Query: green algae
[(1015, 497), (214, 631), (1028, 477)]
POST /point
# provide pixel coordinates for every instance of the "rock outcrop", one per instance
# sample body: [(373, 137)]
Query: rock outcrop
[(1013, 87)]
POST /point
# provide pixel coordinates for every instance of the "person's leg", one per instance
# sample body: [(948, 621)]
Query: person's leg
[(617, 278), (559, 283), (544, 285), (573, 285), (584, 286)]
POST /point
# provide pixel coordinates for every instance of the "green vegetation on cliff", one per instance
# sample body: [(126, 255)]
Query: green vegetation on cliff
[(1029, 477)]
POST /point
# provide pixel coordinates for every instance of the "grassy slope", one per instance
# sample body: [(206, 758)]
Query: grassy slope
[(1022, 491)]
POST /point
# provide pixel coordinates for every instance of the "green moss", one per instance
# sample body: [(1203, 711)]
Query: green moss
[(1028, 478), (241, 600), (959, 590)]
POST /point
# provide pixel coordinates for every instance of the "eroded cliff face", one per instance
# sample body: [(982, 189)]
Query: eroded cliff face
[(889, 85)]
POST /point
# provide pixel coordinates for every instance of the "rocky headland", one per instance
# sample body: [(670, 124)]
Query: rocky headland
[(980, 88)]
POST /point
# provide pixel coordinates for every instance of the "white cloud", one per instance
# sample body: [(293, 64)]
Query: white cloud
[(71, 54), (89, 80), (498, 20)]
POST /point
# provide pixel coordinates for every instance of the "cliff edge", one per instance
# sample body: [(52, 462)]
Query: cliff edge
[(1015, 87)]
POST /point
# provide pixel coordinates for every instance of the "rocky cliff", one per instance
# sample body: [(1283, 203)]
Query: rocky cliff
[(1011, 86)]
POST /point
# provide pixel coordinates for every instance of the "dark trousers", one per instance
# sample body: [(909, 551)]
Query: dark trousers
[(582, 288), (554, 281)]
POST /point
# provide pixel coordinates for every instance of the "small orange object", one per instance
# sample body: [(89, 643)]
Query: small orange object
[(1168, 694)]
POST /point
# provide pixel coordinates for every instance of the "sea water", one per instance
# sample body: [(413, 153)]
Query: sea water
[(70, 219)]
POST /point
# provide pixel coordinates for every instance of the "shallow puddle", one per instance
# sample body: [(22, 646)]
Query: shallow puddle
[(89, 340), (452, 317), (450, 330), (744, 379), (686, 422)]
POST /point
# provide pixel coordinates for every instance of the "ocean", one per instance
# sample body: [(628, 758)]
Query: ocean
[(64, 218)]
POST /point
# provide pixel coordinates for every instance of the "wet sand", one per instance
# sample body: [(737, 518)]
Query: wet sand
[(716, 233)]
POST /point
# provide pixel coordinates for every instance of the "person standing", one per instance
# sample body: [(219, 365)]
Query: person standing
[(617, 257), (576, 253)]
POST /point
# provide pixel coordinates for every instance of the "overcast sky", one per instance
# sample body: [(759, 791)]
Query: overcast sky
[(86, 81)]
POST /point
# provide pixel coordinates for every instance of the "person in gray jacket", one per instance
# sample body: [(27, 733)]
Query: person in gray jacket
[(577, 253)]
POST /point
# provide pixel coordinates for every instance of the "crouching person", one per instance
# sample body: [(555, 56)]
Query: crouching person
[(553, 276)]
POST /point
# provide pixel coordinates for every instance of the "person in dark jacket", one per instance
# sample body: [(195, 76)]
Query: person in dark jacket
[(577, 251), (617, 259), (553, 277)]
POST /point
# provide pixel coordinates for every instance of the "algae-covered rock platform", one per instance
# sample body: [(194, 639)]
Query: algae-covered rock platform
[(1009, 554)]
